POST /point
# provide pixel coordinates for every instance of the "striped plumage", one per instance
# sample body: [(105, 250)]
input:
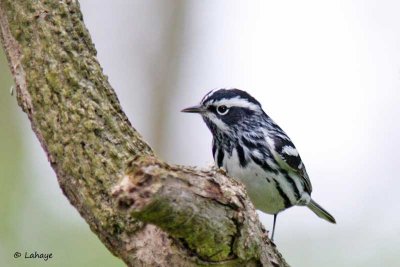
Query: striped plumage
[(250, 146)]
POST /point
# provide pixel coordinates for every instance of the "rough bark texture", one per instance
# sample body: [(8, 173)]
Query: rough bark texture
[(157, 215)]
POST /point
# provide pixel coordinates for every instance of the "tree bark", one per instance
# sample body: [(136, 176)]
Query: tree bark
[(146, 212)]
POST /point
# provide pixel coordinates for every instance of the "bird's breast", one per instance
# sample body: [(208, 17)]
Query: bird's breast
[(260, 184)]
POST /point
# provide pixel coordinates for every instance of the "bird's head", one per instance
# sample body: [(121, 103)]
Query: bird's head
[(226, 110)]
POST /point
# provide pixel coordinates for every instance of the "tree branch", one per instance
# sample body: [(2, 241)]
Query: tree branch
[(158, 215)]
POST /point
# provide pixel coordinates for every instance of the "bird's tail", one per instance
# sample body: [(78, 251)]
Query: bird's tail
[(320, 211)]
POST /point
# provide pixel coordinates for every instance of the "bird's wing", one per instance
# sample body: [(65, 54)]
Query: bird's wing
[(288, 158)]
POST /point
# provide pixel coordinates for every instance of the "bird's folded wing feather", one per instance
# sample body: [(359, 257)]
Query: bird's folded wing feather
[(288, 158)]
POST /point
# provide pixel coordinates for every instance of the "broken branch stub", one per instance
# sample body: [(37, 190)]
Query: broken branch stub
[(203, 210)]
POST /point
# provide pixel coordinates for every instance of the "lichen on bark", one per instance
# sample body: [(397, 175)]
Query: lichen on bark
[(88, 140)]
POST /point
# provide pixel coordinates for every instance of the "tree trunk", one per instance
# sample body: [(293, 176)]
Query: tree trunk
[(146, 212)]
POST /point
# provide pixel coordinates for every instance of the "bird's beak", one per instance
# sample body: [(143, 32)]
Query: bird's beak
[(194, 109)]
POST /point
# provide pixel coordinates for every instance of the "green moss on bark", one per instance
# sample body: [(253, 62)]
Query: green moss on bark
[(79, 122), (75, 112)]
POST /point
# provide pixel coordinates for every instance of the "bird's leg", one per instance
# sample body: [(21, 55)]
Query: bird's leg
[(273, 227)]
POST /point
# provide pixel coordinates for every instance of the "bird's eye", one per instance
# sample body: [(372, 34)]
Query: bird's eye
[(222, 110)]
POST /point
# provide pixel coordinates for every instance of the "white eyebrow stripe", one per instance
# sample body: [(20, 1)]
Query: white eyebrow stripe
[(237, 102)]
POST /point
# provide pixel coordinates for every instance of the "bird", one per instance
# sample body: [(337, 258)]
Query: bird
[(251, 147)]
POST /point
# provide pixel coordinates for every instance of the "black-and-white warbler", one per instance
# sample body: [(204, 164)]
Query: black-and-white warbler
[(250, 146)]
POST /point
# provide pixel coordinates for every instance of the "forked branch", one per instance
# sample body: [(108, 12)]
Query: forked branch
[(150, 213)]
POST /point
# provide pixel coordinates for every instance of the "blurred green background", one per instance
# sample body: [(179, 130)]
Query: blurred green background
[(328, 72)]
